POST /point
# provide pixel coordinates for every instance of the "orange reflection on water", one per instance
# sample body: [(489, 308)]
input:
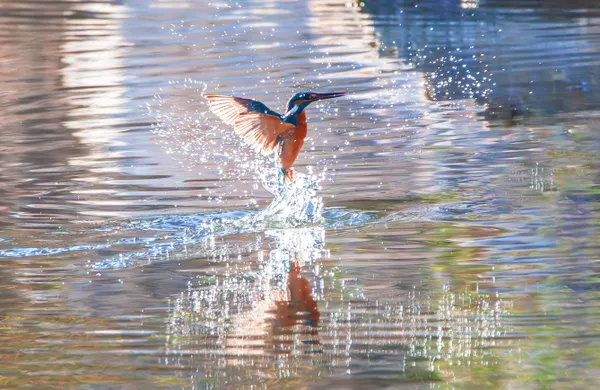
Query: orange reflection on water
[(300, 307)]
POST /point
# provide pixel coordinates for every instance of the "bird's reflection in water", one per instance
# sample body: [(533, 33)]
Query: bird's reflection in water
[(285, 313), (246, 316), (298, 309), (299, 306), (279, 313)]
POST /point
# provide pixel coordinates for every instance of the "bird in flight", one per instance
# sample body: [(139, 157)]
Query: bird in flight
[(266, 131)]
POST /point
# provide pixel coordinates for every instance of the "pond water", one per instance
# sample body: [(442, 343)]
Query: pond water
[(442, 231)]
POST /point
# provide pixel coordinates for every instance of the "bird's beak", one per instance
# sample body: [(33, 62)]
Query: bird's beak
[(323, 96)]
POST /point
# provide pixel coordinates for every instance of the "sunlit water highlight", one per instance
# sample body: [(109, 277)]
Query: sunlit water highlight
[(264, 316)]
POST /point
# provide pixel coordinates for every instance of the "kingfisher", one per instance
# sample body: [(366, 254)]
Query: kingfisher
[(265, 130)]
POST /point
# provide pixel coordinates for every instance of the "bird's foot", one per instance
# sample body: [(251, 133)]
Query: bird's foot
[(289, 175), (286, 176)]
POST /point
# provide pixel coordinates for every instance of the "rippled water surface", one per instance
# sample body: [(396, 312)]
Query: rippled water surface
[(442, 231)]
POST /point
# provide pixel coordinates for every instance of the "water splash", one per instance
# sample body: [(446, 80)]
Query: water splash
[(293, 203), (206, 149)]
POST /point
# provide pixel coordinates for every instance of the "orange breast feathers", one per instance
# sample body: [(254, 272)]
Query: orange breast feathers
[(292, 145)]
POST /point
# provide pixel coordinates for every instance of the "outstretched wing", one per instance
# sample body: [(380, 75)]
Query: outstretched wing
[(258, 125)]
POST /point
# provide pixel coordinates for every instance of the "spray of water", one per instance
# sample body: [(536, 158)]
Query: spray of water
[(293, 203)]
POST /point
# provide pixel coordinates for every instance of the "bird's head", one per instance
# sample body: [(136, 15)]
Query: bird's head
[(301, 100)]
